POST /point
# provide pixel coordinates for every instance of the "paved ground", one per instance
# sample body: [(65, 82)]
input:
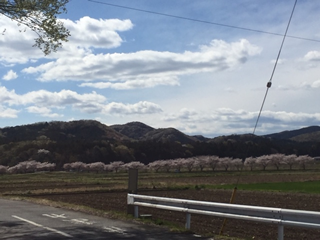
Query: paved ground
[(23, 220)]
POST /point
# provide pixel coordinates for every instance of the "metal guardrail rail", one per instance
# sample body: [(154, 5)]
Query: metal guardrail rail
[(278, 216)]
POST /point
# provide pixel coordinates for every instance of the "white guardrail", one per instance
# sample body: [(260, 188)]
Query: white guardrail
[(279, 216)]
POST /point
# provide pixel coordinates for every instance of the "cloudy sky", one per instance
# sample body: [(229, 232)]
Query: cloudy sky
[(190, 72)]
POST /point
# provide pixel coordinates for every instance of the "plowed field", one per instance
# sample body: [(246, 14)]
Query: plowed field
[(116, 201)]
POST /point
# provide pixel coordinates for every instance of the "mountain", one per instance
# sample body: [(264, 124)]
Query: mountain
[(91, 141), (307, 134), (142, 132), (134, 130), (168, 135), (200, 138), (88, 130)]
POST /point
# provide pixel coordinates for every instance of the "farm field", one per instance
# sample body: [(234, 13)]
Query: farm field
[(105, 194)]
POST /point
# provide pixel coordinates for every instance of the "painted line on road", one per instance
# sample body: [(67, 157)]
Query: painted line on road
[(115, 229), (53, 215), (79, 221), (39, 225)]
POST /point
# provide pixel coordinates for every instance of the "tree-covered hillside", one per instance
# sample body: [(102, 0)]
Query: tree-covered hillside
[(90, 141)]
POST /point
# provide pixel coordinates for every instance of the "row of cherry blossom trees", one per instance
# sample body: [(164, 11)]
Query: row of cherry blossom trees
[(198, 163), (28, 167), (274, 161), (277, 160), (214, 162), (101, 167)]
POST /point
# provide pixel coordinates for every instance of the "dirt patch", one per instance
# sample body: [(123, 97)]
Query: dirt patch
[(116, 201)]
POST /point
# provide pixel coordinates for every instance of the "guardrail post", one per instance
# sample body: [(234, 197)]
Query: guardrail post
[(132, 188), (136, 211), (280, 232), (133, 181), (188, 221)]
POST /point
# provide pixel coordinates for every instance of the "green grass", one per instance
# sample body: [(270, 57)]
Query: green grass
[(302, 187)]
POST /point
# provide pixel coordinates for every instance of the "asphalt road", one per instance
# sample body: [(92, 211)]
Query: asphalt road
[(24, 221)]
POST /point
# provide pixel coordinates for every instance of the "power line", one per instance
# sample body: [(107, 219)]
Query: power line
[(265, 96), (275, 66), (202, 21)]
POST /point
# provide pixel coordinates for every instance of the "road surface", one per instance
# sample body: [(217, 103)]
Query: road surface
[(21, 220)]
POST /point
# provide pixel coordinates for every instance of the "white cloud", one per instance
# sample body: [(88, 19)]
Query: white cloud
[(43, 111), (16, 42), (64, 97), (10, 75), (312, 56), (43, 98), (315, 84), (43, 102), (88, 32), (145, 68), (8, 112), (301, 86), (312, 85), (7, 96), (184, 114), (229, 121), (143, 107), (291, 117), (220, 114), (133, 84), (280, 61)]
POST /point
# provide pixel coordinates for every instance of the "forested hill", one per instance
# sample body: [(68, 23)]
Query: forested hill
[(140, 131), (91, 141), (60, 131), (311, 134)]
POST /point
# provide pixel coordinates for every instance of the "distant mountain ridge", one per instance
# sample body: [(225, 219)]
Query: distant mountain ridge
[(142, 132), (83, 129), (91, 141), (305, 134), (94, 130), (134, 130)]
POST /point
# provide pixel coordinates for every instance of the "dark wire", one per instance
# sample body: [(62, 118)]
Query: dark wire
[(268, 86), (275, 66), (201, 21)]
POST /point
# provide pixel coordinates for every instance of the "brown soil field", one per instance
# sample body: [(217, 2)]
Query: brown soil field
[(115, 200)]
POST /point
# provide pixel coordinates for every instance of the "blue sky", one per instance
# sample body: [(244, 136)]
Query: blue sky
[(121, 65)]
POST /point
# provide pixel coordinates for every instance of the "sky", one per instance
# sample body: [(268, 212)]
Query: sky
[(198, 66)]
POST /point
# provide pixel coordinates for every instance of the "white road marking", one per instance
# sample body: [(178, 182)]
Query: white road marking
[(80, 220), (53, 215), (75, 220), (39, 225), (114, 229)]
